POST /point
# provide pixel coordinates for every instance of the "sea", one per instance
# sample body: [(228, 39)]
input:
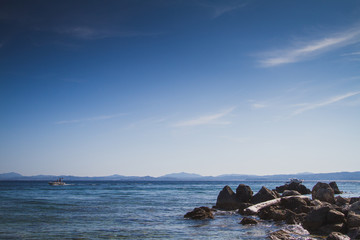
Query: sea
[(128, 210)]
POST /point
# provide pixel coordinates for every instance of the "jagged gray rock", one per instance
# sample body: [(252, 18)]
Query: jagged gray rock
[(323, 192), (244, 193), (263, 195), (248, 220), (227, 200), (200, 213)]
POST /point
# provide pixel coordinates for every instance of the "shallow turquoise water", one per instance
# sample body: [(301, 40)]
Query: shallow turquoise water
[(125, 210)]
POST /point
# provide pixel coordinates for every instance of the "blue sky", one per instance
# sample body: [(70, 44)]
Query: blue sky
[(95, 88)]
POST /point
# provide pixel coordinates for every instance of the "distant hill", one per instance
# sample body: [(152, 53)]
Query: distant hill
[(181, 175), (190, 177)]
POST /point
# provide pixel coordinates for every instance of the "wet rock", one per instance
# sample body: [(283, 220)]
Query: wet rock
[(227, 200), (295, 204), (287, 193), (315, 219), (293, 186), (337, 236), (354, 233), (244, 193), (335, 187), (263, 195), (200, 213), (323, 192), (353, 220), (334, 217), (273, 213), (281, 235), (354, 199), (329, 228), (242, 207), (248, 220), (293, 218), (340, 201), (355, 207)]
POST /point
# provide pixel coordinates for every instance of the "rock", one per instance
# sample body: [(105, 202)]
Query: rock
[(287, 193), (353, 220), (263, 195), (329, 228), (340, 201), (355, 207), (226, 200), (273, 213), (335, 187), (354, 233), (354, 199), (315, 219), (323, 192), (293, 186), (299, 187), (244, 193), (295, 204), (281, 235), (200, 213), (247, 220), (337, 236), (293, 218), (334, 217), (242, 207)]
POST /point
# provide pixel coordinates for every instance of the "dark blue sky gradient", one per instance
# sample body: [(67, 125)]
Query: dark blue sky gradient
[(178, 85)]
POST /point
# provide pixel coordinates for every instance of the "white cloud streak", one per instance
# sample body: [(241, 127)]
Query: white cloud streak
[(97, 118), (311, 106), (91, 33), (258, 105), (311, 48), (207, 119), (351, 54)]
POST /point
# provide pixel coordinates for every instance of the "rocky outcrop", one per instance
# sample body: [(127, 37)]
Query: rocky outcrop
[(354, 233), (354, 200), (353, 220), (200, 213), (263, 195), (323, 192), (355, 207), (324, 220), (341, 201), (242, 208), (337, 236), (335, 187), (293, 186), (281, 235), (273, 213), (244, 193), (296, 204), (227, 200), (248, 220), (287, 193)]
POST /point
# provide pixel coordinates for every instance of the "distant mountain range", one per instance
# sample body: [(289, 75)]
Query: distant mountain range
[(189, 177)]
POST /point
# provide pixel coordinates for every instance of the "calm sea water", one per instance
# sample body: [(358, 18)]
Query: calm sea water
[(125, 210)]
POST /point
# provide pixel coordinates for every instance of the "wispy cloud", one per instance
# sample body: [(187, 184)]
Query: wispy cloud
[(351, 54), (91, 33), (258, 105), (311, 106), (310, 48), (90, 119), (221, 10), (207, 119)]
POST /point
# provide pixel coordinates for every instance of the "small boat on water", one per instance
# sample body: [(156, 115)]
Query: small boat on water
[(294, 180), (58, 182)]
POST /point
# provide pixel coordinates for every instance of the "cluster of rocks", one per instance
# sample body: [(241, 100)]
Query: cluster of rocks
[(324, 214)]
